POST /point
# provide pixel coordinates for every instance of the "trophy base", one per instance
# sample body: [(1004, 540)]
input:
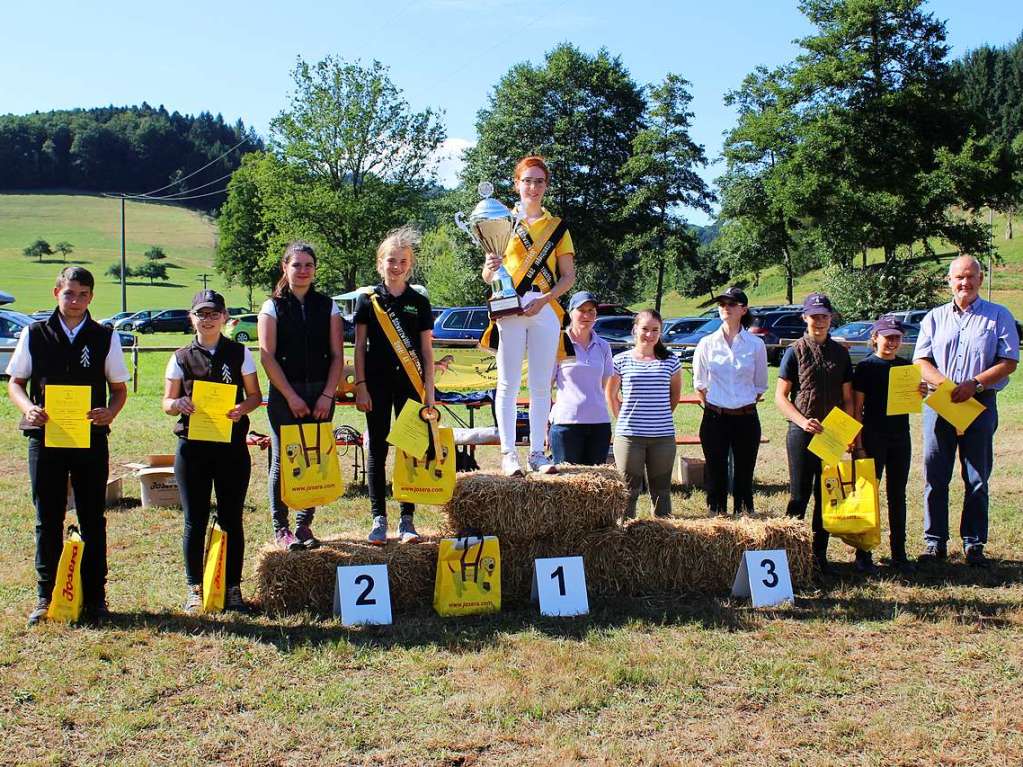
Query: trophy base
[(504, 306)]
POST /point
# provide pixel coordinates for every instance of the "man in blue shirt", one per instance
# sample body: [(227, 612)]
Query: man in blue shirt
[(974, 344)]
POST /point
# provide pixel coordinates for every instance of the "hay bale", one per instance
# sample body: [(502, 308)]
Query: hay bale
[(294, 581), (687, 555), (563, 506)]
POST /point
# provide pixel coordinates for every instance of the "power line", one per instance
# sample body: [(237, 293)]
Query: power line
[(204, 167), (173, 199), (189, 191)]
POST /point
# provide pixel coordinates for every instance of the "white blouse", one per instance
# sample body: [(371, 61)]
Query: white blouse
[(732, 376)]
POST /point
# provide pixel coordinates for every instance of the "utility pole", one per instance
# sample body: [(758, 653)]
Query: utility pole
[(124, 278), (205, 278), (991, 254)]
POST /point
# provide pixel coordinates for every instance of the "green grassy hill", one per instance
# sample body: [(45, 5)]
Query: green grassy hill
[(92, 224), (1007, 280)]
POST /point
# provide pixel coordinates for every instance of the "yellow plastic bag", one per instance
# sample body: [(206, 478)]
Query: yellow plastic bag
[(66, 600), (430, 481), (468, 576), (850, 503), (310, 473), (214, 571)]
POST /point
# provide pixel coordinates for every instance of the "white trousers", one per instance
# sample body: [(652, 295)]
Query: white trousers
[(534, 339)]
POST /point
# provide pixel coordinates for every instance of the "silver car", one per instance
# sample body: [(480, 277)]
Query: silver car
[(11, 325)]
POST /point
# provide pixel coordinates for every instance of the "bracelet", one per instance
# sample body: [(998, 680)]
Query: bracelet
[(360, 382), (328, 396)]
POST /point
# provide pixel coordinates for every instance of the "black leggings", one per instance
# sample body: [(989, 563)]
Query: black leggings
[(387, 397), (201, 467), (892, 453), (804, 484)]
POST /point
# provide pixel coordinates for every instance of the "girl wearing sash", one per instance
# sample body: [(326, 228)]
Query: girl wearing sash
[(815, 376), (540, 259), (393, 363), (201, 466), (300, 346)]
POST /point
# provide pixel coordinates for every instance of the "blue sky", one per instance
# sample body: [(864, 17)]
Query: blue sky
[(236, 58)]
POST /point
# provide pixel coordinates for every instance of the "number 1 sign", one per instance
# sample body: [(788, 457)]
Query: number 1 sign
[(764, 577), (559, 584), (362, 595)]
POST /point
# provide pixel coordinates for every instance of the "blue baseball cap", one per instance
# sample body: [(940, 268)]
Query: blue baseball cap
[(580, 298), (817, 303), (888, 326)]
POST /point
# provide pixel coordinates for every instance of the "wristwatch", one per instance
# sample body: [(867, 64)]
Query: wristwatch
[(979, 385)]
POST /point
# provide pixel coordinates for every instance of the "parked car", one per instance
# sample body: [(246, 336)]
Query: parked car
[(777, 325), (236, 311), (685, 352), (861, 349), (615, 329), (127, 339), (461, 323), (11, 325), (910, 316), (241, 328), (679, 326), (167, 321), (853, 331), (41, 314), (108, 322), (126, 323)]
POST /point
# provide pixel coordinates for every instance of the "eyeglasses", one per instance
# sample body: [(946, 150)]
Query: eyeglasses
[(206, 315), (728, 304), (533, 181)]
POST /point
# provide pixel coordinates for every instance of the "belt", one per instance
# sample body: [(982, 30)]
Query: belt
[(744, 410)]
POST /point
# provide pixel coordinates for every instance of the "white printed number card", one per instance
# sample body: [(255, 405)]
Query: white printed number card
[(559, 584), (764, 577), (362, 595)]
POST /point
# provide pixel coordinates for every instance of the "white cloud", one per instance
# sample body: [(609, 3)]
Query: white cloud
[(449, 160)]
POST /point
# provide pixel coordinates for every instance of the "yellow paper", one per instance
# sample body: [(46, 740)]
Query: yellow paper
[(840, 429), (67, 424), (904, 395), (209, 422), (410, 432), (959, 414)]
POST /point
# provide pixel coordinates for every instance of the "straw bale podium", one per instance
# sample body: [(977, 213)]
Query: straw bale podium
[(579, 511)]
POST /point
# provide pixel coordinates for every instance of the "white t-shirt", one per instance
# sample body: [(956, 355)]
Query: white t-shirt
[(175, 373), (270, 310), (114, 368)]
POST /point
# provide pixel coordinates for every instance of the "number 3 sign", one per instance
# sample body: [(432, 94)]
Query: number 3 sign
[(764, 576), (362, 595)]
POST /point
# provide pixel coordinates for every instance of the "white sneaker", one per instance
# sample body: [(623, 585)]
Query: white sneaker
[(510, 465), (541, 463)]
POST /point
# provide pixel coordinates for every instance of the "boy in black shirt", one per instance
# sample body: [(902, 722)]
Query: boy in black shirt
[(69, 348)]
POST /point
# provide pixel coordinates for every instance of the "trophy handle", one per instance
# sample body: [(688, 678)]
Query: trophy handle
[(460, 223)]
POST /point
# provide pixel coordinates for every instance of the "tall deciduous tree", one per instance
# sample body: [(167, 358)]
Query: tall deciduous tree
[(155, 253), (354, 162), (65, 248), (581, 113), (37, 250), (152, 271), (662, 176), (878, 158)]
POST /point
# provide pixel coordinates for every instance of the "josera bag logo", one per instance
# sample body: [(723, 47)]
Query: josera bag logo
[(66, 599)]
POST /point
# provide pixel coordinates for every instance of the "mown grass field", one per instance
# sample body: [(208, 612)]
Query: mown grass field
[(878, 672), (92, 224)]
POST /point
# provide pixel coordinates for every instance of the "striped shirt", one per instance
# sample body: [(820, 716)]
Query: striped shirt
[(646, 396)]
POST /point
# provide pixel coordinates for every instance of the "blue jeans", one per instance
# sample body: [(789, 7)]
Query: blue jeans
[(976, 455), (583, 443)]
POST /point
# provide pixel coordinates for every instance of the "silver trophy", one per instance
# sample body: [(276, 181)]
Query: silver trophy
[(491, 225)]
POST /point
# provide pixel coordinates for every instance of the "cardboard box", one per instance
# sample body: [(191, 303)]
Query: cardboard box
[(115, 489), (690, 471), (157, 483)]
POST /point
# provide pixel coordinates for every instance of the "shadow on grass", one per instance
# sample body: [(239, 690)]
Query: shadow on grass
[(846, 598)]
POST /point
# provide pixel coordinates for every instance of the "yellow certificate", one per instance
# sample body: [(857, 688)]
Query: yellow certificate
[(410, 432), (840, 429), (66, 408), (209, 422), (959, 414), (904, 395)]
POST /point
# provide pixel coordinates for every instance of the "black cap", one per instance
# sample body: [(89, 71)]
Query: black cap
[(733, 294), (208, 299), (817, 303)]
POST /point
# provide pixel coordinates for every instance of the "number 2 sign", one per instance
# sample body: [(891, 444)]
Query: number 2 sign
[(362, 595), (764, 577)]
